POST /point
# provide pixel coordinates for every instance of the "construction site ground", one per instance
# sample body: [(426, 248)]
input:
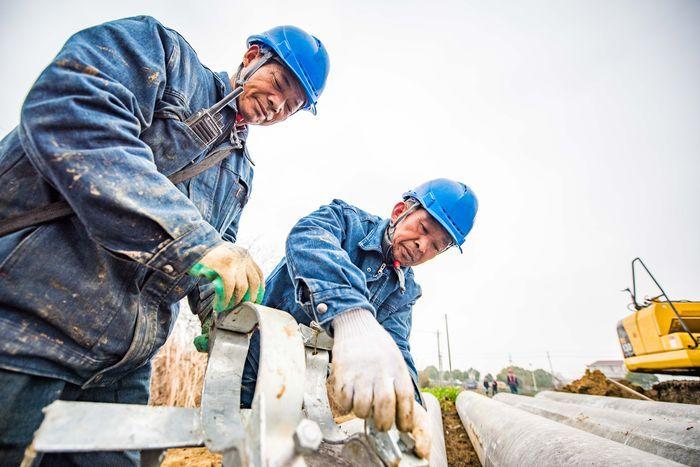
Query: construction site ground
[(595, 383)]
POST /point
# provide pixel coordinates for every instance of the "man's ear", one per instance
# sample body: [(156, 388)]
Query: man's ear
[(251, 54), (399, 208)]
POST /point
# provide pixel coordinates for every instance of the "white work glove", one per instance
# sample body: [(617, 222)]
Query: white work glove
[(370, 376), (234, 274)]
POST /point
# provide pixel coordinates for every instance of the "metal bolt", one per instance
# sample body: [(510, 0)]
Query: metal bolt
[(307, 437)]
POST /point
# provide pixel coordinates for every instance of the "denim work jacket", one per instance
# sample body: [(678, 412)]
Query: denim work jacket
[(334, 263), (90, 297)]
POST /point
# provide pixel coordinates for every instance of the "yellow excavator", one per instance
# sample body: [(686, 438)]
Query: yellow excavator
[(661, 336)]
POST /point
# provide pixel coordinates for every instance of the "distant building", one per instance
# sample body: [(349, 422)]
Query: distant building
[(611, 368)]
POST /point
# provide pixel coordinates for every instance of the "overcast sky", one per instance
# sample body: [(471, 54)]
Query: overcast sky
[(576, 123)]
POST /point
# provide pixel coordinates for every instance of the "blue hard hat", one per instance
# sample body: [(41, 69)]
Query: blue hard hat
[(452, 204), (303, 54)]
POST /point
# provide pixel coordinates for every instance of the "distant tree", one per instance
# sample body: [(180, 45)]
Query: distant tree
[(431, 371), (543, 378), (488, 377), (645, 380), (521, 373), (476, 372)]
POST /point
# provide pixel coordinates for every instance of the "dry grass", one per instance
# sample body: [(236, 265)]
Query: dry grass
[(178, 369)]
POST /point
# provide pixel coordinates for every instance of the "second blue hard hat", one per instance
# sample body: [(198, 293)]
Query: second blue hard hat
[(452, 204), (303, 54)]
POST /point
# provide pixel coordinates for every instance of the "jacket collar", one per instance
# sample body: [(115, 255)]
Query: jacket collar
[(224, 87), (373, 240)]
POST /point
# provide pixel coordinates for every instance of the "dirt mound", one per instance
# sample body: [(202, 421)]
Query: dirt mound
[(685, 392), (595, 383)]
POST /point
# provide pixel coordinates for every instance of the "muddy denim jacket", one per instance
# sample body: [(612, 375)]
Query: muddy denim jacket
[(93, 296), (334, 263)]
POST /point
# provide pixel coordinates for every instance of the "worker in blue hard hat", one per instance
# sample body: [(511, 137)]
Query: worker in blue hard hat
[(123, 186), (351, 273)]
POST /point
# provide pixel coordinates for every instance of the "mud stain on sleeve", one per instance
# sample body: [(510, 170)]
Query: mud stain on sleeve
[(77, 66)]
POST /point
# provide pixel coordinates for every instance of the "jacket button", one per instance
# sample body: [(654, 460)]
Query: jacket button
[(369, 269), (322, 308), (168, 269)]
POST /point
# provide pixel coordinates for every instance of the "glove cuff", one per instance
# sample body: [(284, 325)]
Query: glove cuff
[(355, 322)]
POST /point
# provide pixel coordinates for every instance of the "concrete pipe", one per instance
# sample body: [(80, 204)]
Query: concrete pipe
[(503, 435), (662, 409), (438, 454), (669, 438)]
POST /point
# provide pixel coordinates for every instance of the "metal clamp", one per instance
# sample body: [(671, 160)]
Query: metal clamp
[(273, 432)]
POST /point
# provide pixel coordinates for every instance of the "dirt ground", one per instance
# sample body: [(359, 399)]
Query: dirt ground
[(595, 383), (686, 392), (460, 452), (191, 457)]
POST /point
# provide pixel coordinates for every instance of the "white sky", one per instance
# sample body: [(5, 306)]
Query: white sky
[(577, 124)]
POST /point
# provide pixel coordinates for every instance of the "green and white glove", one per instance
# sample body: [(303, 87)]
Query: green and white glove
[(236, 278)]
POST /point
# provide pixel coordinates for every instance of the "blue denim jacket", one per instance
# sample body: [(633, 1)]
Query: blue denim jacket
[(90, 297), (334, 263)]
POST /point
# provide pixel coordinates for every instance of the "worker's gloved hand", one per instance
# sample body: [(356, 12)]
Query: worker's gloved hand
[(421, 430), (370, 377), (236, 278)]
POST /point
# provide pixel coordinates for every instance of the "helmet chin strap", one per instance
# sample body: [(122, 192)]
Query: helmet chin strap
[(242, 78), (391, 229), (389, 241)]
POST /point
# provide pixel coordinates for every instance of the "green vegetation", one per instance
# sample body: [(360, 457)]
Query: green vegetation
[(444, 393)]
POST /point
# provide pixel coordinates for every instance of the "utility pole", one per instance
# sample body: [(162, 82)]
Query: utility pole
[(551, 370), (439, 358), (510, 359), (449, 352), (534, 382)]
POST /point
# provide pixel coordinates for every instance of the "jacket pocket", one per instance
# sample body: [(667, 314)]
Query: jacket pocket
[(13, 244), (57, 275)]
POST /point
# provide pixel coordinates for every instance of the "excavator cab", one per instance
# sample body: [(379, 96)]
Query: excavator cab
[(661, 336)]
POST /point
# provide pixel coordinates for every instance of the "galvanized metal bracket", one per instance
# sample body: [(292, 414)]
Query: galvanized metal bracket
[(272, 433)]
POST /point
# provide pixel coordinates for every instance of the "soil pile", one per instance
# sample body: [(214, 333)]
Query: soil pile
[(460, 452), (685, 392), (595, 383)]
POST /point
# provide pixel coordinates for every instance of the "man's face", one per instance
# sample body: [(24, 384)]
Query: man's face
[(418, 237), (271, 95)]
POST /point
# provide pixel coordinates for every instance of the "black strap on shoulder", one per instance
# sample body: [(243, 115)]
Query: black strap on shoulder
[(61, 209)]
